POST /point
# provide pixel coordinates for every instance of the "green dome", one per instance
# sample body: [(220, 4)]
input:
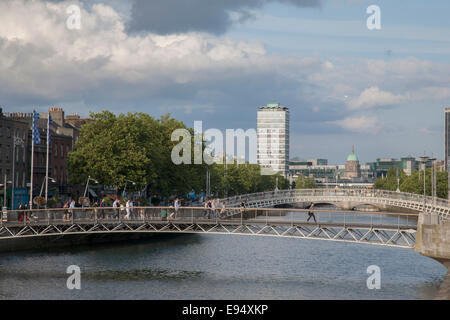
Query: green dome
[(352, 157)]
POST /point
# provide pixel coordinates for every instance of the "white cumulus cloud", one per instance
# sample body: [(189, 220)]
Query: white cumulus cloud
[(362, 124), (374, 97)]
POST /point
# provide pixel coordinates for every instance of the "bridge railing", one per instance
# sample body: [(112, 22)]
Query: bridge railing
[(349, 193), (112, 216)]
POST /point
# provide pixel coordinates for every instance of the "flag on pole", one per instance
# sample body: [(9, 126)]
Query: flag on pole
[(36, 135)]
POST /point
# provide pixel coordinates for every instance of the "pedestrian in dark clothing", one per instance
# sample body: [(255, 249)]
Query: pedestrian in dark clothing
[(206, 212), (311, 213), (102, 209), (209, 206), (26, 212)]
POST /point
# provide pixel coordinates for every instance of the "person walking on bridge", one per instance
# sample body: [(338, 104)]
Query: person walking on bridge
[(102, 208), (116, 204), (208, 209), (206, 212), (129, 207), (213, 209), (311, 213), (176, 206), (222, 210), (71, 213)]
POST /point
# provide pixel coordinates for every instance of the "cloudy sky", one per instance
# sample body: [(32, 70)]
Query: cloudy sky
[(218, 60)]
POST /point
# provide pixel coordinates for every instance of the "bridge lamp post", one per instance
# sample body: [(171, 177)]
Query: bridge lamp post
[(398, 182), (125, 189), (87, 185), (433, 179), (424, 161), (16, 143), (42, 187)]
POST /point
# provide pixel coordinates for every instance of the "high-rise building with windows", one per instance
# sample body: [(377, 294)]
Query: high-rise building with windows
[(446, 137), (273, 139)]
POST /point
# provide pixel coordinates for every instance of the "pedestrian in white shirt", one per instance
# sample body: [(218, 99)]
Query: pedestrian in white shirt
[(129, 209)]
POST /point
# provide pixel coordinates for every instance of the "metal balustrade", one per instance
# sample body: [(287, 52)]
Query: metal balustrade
[(381, 228)]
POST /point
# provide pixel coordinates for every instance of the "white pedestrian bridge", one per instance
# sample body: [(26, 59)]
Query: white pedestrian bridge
[(379, 228), (347, 199)]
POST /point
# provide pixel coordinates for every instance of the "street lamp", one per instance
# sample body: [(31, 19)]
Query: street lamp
[(424, 159), (433, 179), (398, 182), (124, 190), (87, 185), (16, 142), (42, 187)]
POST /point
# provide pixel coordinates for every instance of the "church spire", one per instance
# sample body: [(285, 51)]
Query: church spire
[(353, 148)]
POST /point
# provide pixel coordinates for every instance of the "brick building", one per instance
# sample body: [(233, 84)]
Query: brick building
[(14, 126)]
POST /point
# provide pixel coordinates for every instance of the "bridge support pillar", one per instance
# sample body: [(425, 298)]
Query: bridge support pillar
[(433, 240)]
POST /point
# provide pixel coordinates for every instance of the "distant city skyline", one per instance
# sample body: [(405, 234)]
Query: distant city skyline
[(382, 90)]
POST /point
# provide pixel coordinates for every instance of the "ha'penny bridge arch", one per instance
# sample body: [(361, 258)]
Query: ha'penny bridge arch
[(347, 199)]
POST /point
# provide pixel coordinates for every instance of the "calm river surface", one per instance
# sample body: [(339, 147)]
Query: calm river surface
[(220, 267)]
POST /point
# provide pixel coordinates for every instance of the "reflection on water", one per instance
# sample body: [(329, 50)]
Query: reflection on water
[(105, 275), (220, 267)]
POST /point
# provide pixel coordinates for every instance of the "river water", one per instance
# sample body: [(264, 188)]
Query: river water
[(220, 267)]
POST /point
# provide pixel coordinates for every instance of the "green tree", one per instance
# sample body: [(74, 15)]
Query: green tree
[(234, 179), (390, 181), (135, 147), (414, 182), (303, 182)]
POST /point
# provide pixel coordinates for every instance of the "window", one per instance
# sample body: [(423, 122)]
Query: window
[(56, 150), (62, 151)]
